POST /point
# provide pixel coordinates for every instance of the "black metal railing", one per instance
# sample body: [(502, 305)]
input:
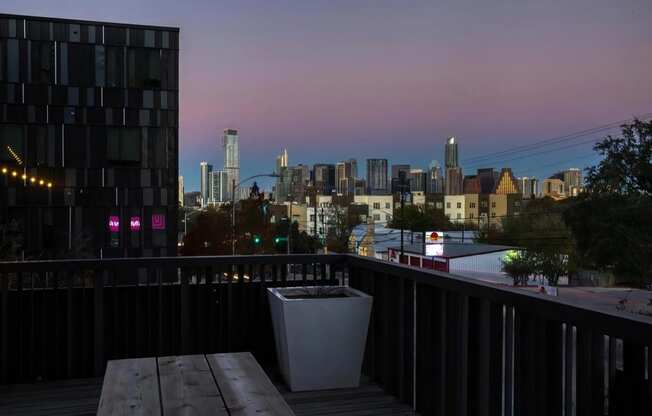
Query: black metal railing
[(444, 344)]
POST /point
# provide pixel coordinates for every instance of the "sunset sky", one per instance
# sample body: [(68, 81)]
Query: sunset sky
[(336, 79)]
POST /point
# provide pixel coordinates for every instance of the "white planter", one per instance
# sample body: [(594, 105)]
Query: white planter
[(320, 342)]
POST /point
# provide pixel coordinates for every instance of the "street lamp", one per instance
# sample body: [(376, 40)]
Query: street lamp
[(233, 188)]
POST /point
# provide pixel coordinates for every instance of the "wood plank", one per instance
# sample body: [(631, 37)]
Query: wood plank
[(130, 387), (245, 388), (188, 387)]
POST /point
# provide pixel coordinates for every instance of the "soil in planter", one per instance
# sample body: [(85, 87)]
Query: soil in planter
[(317, 296)]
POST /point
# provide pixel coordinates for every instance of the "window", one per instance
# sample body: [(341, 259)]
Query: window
[(459, 205), (114, 65), (376, 217), (10, 72), (41, 62), (493, 204), (144, 66), (123, 145), (11, 137), (80, 68), (493, 215), (439, 205), (459, 216), (387, 205), (471, 215), (448, 204), (472, 205), (376, 205), (100, 66)]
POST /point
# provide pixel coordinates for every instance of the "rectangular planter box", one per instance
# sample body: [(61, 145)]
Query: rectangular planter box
[(320, 342)]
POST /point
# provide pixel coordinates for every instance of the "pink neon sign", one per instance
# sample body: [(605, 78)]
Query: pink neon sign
[(114, 223), (158, 222), (134, 223)]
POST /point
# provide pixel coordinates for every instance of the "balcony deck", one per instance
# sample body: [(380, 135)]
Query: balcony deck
[(81, 397)]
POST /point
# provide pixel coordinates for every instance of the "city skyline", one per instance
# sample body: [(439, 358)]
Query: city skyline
[(394, 78)]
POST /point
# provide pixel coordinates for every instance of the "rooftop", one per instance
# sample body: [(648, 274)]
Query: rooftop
[(87, 22)]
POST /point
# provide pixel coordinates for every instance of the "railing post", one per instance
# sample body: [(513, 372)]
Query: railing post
[(4, 348), (98, 326), (185, 321)]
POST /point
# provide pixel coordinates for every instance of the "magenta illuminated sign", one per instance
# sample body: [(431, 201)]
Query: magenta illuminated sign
[(134, 223), (158, 222), (114, 223)]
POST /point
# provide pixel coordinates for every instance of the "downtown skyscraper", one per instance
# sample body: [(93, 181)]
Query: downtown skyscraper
[(231, 149), (454, 179), (377, 177)]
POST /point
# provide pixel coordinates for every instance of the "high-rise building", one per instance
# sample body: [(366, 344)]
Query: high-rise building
[(220, 188), (281, 161), (324, 178), (397, 171), (507, 183), (435, 179), (377, 177), (572, 181), (346, 173), (204, 182), (488, 178), (451, 155), (418, 180), (529, 187), (454, 182), (230, 147), (553, 188), (181, 191), (90, 111)]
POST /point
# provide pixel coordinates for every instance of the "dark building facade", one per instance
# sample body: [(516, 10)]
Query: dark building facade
[(90, 111), (324, 178), (377, 177)]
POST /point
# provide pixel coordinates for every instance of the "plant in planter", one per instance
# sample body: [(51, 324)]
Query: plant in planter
[(320, 334)]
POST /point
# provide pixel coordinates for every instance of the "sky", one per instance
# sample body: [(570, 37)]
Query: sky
[(330, 80)]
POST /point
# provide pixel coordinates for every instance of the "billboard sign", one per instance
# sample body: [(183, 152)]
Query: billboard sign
[(158, 222), (433, 243), (134, 223), (114, 223)]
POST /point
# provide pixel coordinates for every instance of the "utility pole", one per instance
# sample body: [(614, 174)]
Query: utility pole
[(402, 190), (289, 226)]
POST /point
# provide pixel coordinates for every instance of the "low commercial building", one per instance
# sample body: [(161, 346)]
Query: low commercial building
[(381, 207)]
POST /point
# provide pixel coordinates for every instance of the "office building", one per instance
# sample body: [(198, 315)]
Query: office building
[(399, 171), (377, 183), (572, 181), (418, 180), (529, 187), (450, 153), (506, 183), (324, 178), (205, 171), (488, 178), (231, 149), (471, 184), (379, 207), (553, 188), (281, 161), (220, 188), (346, 173), (90, 111), (454, 182), (435, 179)]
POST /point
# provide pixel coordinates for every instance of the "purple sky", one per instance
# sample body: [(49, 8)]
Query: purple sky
[(336, 79)]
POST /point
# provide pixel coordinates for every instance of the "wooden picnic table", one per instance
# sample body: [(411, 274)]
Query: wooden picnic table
[(190, 385)]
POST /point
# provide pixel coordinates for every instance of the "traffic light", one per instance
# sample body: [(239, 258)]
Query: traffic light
[(257, 239), (278, 240)]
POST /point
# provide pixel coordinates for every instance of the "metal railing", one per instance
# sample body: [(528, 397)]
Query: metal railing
[(442, 343)]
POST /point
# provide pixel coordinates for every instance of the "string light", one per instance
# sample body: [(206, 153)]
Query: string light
[(31, 179)]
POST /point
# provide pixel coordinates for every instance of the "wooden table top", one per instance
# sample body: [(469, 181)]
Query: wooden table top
[(190, 385)]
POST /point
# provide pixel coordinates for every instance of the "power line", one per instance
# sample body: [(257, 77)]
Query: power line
[(555, 140)]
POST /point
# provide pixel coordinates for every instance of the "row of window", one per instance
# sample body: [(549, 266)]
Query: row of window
[(376, 205), (87, 97), (95, 116), (88, 33), (86, 197), (37, 62), (81, 146)]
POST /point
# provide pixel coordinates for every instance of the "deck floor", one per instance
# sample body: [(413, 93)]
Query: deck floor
[(81, 397)]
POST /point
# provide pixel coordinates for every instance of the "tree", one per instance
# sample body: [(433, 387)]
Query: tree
[(612, 221), (541, 233), (420, 218), (341, 222), (519, 266), (211, 234)]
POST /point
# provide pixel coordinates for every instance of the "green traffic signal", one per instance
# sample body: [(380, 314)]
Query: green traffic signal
[(277, 240), (257, 239)]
